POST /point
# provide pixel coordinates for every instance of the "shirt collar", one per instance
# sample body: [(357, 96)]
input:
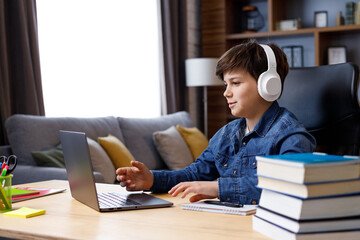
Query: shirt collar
[(267, 120), (261, 128)]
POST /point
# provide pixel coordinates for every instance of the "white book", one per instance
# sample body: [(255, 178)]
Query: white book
[(276, 232), (206, 207), (304, 226), (315, 208)]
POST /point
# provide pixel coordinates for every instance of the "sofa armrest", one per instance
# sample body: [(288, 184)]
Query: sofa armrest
[(26, 174), (5, 150)]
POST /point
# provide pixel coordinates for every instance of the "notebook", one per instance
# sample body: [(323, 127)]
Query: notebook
[(82, 183), (205, 207)]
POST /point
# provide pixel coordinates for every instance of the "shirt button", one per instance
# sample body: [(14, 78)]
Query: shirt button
[(253, 202), (228, 198), (244, 143), (254, 163), (235, 172), (225, 165)]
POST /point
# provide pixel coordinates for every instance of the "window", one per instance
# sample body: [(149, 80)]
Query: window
[(99, 58)]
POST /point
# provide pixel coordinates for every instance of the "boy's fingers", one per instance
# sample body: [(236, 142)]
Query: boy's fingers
[(196, 198), (172, 190), (121, 171), (138, 165), (118, 178), (178, 190)]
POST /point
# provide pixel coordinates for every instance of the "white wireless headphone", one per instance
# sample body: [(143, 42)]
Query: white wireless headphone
[(269, 83)]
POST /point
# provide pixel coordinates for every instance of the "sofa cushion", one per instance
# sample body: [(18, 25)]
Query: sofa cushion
[(117, 151), (138, 136), (172, 148), (195, 139), (52, 157), (101, 161), (27, 133)]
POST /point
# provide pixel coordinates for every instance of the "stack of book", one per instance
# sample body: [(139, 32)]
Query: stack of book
[(308, 196)]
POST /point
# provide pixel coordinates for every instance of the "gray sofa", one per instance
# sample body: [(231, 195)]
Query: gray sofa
[(27, 133)]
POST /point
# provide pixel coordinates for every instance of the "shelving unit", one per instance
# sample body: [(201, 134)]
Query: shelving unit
[(322, 38), (220, 31), (276, 11)]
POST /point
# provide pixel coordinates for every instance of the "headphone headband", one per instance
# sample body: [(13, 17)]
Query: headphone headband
[(270, 56)]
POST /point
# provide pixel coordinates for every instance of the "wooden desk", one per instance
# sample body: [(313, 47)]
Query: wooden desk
[(67, 218)]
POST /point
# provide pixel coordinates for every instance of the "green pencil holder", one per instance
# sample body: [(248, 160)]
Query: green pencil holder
[(5, 193)]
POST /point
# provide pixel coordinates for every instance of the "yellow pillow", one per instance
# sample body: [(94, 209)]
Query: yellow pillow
[(117, 151), (195, 139)]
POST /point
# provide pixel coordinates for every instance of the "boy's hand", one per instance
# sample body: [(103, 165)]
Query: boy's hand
[(202, 190), (135, 178)]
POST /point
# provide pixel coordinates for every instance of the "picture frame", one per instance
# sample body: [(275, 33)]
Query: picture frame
[(295, 55), (298, 56), (336, 54), (321, 19)]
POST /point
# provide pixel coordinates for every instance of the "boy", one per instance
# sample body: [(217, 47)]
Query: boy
[(253, 75)]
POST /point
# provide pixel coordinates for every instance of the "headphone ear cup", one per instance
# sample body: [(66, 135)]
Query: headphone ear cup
[(269, 82), (269, 85)]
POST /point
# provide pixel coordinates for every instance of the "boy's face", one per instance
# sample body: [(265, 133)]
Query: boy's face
[(241, 94)]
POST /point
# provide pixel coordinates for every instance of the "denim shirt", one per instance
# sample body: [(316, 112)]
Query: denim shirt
[(230, 156)]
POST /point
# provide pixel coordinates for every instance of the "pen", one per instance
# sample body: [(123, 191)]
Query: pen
[(4, 199), (3, 173), (3, 195), (3, 165), (226, 204)]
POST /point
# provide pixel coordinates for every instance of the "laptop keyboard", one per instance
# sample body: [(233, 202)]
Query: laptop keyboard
[(114, 200)]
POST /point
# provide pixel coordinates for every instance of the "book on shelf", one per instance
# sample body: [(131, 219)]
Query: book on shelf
[(205, 207), (313, 208), (276, 232), (357, 13), (40, 193), (303, 226), (309, 167), (349, 13), (310, 190)]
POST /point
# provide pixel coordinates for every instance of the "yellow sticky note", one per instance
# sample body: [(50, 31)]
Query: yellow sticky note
[(25, 212)]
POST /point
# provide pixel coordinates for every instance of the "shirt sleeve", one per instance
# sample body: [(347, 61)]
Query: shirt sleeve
[(203, 169), (297, 142)]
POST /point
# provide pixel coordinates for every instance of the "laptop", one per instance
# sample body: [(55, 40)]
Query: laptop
[(82, 183)]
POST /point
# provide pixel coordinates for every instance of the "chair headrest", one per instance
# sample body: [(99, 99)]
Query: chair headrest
[(320, 96)]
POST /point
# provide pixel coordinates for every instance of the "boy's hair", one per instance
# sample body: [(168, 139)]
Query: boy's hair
[(251, 57)]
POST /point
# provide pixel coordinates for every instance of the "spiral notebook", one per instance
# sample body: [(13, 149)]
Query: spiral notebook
[(205, 207)]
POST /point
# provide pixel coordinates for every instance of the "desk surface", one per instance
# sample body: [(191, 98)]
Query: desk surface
[(67, 218)]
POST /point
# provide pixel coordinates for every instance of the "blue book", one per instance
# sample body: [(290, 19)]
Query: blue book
[(349, 13), (309, 167)]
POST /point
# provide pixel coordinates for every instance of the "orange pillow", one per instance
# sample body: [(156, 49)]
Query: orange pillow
[(195, 139), (117, 151)]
